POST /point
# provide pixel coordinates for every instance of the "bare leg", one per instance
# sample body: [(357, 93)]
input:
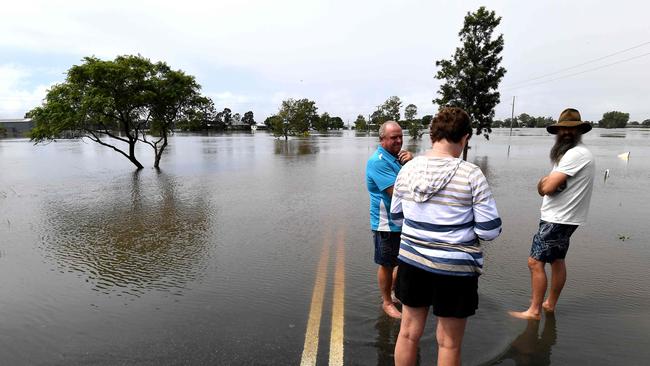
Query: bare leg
[(538, 284), (410, 331), (449, 334), (394, 299), (558, 278), (385, 279)]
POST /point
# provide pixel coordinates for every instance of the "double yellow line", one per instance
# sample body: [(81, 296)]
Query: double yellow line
[(310, 349)]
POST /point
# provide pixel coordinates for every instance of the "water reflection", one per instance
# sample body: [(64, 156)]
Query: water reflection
[(387, 331), (621, 135), (295, 147), (149, 234), (529, 349)]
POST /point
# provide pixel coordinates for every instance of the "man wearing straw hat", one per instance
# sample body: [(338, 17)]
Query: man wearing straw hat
[(567, 193)]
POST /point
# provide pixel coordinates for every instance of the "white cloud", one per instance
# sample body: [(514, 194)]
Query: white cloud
[(16, 97)]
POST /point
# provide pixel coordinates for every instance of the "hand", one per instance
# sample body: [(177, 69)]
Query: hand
[(404, 156)]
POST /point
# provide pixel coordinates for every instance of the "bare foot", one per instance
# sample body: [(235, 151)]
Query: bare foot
[(392, 311), (548, 308), (525, 315)]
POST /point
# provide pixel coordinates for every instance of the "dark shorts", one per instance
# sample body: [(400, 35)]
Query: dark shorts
[(450, 296), (386, 247), (551, 242)]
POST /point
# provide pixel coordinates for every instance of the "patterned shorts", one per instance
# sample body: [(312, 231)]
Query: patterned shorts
[(551, 242)]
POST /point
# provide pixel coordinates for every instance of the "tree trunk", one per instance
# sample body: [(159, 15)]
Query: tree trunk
[(132, 155), (158, 153), (465, 152)]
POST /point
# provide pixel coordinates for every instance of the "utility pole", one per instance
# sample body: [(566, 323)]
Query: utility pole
[(512, 119)]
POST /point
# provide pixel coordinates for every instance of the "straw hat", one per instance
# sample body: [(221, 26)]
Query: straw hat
[(569, 118)]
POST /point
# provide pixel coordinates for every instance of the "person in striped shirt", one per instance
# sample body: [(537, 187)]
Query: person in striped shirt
[(444, 205)]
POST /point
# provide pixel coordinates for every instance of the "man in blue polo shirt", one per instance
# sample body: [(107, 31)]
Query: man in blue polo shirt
[(381, 172)]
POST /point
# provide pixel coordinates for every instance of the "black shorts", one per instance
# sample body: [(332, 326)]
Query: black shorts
[(450, 296), (386, 247)]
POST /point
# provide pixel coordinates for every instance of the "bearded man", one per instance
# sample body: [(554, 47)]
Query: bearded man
[(567, 194)]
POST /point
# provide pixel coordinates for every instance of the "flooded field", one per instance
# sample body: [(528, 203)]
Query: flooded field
[(215, 258)]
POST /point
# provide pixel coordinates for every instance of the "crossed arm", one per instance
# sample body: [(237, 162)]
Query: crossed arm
[(551, 183)]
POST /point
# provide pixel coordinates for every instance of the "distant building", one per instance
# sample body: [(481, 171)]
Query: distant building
[(17, 127)]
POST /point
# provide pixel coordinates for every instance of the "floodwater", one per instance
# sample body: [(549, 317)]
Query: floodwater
[(214, 258)]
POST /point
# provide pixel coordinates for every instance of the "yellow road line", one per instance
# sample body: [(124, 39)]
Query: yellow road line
[(338, 304), (310, 349)]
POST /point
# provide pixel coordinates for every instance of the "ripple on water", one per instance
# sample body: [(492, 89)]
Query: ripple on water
[(153, 244)]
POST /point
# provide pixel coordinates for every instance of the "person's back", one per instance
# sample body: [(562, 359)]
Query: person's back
[(446, 205)]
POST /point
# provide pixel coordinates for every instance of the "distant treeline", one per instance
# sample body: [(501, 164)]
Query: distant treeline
[(612, 119)]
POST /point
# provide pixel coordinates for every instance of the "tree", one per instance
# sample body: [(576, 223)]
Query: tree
[(199, 119), (544, 121), (410, 112), (225, 118), (248, 118), (360, 123), (614, 119), (426, 120), (388, 111), (391, 108), (473, 74), (296, 116), (175, 98), (526, 120), (646, 123), (236, 118), (336, 123), (322, 123), (119, 101)]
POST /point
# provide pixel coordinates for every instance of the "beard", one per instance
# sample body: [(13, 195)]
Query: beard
[(563, 143)]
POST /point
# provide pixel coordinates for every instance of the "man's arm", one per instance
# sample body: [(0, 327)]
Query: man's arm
[(389, 191), (550, 184)]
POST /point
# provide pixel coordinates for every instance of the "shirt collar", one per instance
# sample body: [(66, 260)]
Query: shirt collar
[(387, 154)]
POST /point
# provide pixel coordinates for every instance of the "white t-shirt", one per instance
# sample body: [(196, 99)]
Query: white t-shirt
[(572, 204)]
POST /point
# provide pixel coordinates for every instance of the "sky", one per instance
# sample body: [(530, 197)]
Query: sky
[(348, 56)]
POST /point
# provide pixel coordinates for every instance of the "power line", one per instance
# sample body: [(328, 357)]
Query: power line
[(578, 73), (580, 64)]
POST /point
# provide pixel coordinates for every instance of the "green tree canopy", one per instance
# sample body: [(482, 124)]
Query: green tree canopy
[(410, 112), (322, 123), (199, 119), (645, 122), (336, 123), (115, 103), (426, 120), (360, 123), (249, 118), (614, 119), (472, 76), (296, 117), (388, 111)]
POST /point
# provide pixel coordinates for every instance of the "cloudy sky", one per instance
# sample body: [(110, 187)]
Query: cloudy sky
[(347, 55)]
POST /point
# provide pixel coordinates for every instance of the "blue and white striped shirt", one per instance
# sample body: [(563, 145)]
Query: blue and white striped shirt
[(444, 205)]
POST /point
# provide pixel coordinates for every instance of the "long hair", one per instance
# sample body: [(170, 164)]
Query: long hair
[(563, 143)]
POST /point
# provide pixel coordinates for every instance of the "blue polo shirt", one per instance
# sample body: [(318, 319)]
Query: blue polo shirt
[(381, 172)]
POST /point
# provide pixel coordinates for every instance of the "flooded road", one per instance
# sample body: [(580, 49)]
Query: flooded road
[(244, 249)]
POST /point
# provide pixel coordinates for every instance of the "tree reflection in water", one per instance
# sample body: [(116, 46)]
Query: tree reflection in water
[(295, 147), (147, 234)]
